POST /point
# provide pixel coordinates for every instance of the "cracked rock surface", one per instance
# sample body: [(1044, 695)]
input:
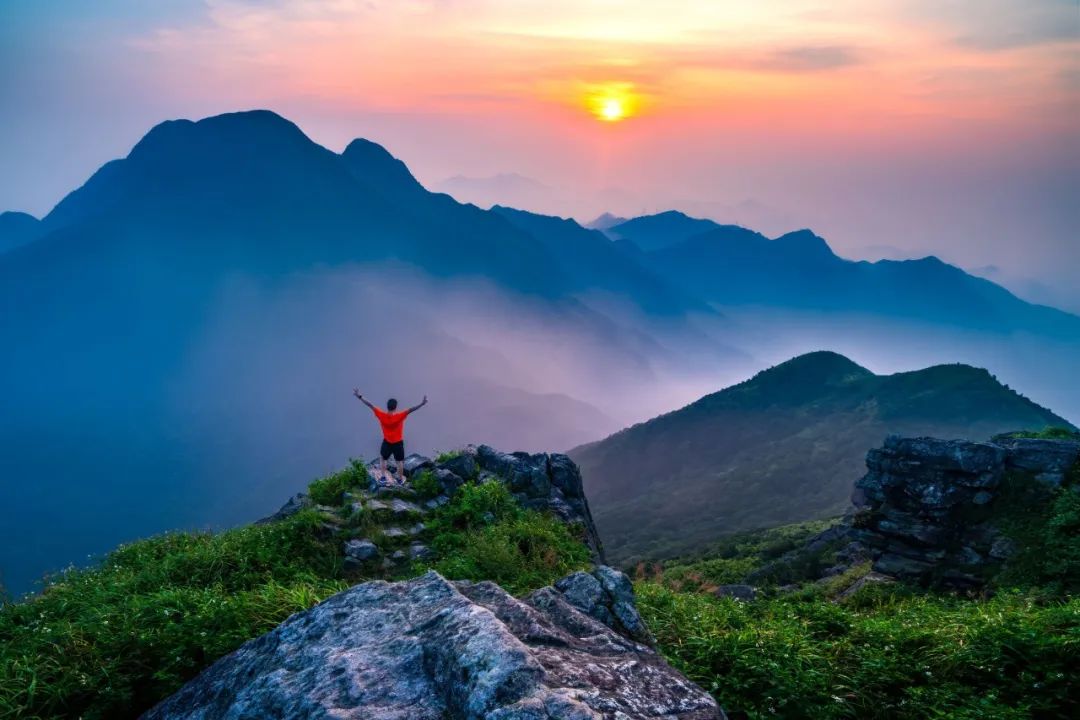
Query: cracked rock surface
[(431, 649)]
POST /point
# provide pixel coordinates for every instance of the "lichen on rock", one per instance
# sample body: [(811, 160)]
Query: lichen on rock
[(431, 649)]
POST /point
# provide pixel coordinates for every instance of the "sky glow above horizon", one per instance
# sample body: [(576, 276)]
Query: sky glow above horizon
[(896, 128)]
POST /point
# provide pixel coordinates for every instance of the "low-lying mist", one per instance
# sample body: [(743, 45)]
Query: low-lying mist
[(210, 414), (257, 400)]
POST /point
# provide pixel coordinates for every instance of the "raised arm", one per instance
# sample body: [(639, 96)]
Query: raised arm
[(360, 397), (417, 407)]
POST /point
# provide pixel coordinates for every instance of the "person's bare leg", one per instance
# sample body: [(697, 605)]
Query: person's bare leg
[(401, 471), (382, 468)]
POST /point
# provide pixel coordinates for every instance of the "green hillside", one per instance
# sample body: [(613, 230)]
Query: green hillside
[(109, 642), (782, 447), (841, 648)]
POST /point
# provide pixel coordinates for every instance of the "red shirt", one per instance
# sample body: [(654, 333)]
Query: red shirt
[(393, 424)]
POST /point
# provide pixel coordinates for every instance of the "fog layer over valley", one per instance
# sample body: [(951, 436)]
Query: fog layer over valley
[(257, 400), (182, 334)]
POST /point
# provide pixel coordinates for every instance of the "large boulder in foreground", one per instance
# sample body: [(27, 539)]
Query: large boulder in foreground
[(431, 649)]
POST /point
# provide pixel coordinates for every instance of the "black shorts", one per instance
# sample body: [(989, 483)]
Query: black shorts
[(396, 449)]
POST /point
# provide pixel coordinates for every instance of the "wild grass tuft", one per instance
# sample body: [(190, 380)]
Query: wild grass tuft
[(1044, 525), (330, 490), (1048, 433), (484, 534), (447, 456), (730, 559), (111, 641), (425, 484), (887, 653)]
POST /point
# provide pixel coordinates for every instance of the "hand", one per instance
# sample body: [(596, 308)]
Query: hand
[(424, 401), (356, 392)]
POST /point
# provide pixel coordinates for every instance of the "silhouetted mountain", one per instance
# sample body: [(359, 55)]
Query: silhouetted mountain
[(215, 290), (604, 222), (730, 265), (652, 232), (132, 265), (781, 447), (381, 172), (17, 228), (593, 263), (252, 191), (228, 281)]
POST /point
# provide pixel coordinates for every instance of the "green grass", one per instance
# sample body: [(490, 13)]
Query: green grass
[(330, 490), (425, 484), (483, 534), (110, 641), (1045, 526), (446, 456), (1048, 433), (731, 558), (885, 653), (889, 650)]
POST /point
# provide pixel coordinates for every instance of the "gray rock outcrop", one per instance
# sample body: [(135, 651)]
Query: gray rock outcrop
[(358, 552), (546, 482), (540, 481), (606, 595), (430, 649), (1050, 461), (293, 505), (928, 507), (929, 511)]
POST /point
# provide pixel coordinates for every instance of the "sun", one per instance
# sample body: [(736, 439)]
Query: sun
[(612, 109), (611, 102)]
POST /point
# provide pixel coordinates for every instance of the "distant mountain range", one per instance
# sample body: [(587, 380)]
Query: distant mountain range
[(205, 190), (652, 232), (197, 311), (594, 263), (784, 446), (730, 265), (604, 221)]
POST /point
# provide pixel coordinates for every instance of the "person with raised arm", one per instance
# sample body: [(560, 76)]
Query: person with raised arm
[(393, 429)]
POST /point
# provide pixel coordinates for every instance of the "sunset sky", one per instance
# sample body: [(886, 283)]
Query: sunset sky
[(892, 128)]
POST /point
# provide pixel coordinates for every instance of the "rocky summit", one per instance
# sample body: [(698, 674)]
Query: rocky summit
[(930, 510), (395, 514), (431, 649)]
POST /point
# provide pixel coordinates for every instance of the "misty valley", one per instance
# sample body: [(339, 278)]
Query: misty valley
[(212, 297), (539, 360), (665, 467)]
